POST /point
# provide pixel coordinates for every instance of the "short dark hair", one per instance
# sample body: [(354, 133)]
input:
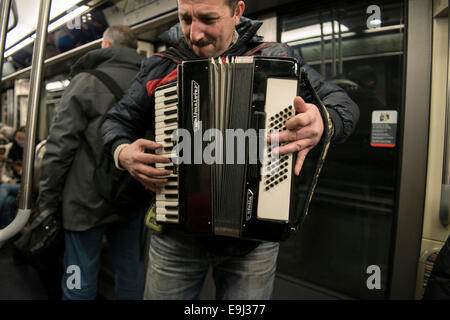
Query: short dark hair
[(232, 4), (121, 36)]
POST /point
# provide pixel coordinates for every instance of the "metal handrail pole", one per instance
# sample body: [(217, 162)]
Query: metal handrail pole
[(322, 48), (333, 45), (444, 210), (341, 62), (37, 67), (4, 15)]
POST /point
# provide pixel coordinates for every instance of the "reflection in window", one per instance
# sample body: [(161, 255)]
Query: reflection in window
[(352, 213)]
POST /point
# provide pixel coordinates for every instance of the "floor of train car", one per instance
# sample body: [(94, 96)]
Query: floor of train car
[(21, 282), (18, 282)]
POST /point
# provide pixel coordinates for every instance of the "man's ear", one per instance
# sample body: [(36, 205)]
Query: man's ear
[(106, 43), (238, 12)]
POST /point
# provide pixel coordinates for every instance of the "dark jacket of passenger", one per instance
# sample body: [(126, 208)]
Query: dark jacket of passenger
[(74, 141), (438, 287)]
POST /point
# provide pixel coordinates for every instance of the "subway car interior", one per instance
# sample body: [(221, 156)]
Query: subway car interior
[(380, 213)]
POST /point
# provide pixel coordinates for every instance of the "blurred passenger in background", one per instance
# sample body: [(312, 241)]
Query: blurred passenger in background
[(11, 176)]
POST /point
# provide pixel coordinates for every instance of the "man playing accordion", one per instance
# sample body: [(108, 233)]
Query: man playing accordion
[(179, 262)]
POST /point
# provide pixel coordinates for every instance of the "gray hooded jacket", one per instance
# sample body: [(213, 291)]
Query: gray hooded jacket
[(74, 140)]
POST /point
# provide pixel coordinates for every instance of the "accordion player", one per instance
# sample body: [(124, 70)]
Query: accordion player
[(216, 186)]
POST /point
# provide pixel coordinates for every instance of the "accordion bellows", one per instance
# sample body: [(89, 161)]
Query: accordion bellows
[(213, 122)]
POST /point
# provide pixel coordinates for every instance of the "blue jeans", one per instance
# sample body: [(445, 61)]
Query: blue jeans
[(8, 194), (177, 270), (83, 250)]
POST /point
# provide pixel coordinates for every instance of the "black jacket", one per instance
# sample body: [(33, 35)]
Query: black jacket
[(130, 119), (74, 140), (438, 287)]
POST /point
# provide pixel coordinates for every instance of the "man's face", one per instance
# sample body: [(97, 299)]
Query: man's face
[(208, 25)]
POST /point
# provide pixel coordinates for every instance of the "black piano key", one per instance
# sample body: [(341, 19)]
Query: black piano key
[(171, 196), (167, 113), (171, 216), (171, 207), (173, 120), (170, 93), (172, 179), (170, 101), (169, 131), (171, 187)]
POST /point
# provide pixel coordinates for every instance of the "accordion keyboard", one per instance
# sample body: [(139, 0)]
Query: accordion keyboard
[(166, 122)]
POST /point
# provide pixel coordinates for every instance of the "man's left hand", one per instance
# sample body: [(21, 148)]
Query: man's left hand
[(304, 131)]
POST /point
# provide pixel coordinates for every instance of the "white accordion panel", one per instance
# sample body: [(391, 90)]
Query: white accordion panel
[(275, 186)]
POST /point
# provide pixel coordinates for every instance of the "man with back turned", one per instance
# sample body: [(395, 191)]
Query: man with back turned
[(67, 173)]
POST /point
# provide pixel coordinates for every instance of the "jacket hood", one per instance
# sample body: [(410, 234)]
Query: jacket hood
[(246, 29), (107, 57)]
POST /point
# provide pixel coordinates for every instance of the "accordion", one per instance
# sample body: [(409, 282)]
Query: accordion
[(213, 122)]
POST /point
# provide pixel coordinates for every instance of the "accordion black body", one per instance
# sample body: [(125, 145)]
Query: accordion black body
[(226, 181)]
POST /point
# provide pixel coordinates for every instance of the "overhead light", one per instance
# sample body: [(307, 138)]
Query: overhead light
[(68, 17), (57, 85), (52, 26), (317, 39), (22, 44), (311, 31), (61, 6), (387, 28)]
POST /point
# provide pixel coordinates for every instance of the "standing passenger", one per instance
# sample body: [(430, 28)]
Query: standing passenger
[(68, 166), (179, 262)]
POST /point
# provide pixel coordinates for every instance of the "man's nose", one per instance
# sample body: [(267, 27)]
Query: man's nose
[(197, 31)]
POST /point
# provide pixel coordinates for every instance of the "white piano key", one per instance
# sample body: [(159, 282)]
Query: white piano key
[(164, 105), (168, 205), (164, 218), (162, 125), (167, 208), (165, 118), (170, 90)]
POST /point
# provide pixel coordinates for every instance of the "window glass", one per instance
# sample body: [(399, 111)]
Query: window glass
[(349, 230)]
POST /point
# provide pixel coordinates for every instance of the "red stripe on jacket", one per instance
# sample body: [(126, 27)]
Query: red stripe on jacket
[(153, 84)]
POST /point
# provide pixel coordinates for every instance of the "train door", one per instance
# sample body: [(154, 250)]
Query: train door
[(437, 201), (362, 237)]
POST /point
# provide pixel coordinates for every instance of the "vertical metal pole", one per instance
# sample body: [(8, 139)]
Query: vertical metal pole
[(5, 7), (333, 46), (413, 150), (37, 67), (341, 62), (444, 210), (323, 70), (446, 169)]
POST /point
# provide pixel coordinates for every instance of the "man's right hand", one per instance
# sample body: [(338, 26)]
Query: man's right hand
[(138, 163)]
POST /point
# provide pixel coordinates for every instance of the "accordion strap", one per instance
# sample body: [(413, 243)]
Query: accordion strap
[(258, 48), (172, 54), (176, 56), (323, 145)]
